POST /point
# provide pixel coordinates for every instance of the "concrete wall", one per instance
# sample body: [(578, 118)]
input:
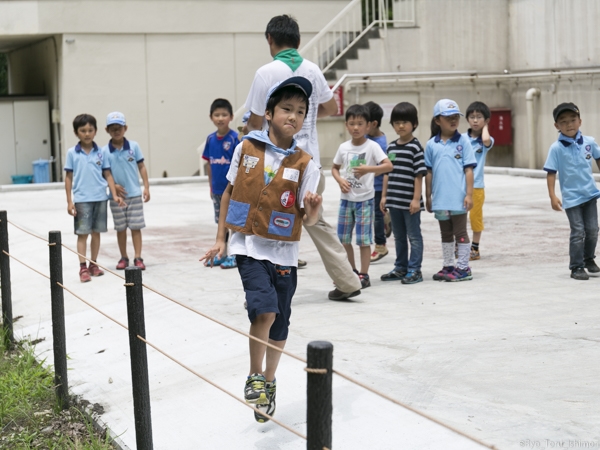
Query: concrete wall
[(160, 62)]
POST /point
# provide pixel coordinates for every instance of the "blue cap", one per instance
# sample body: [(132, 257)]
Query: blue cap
[(446, 107), (115, 117), (300, 82)]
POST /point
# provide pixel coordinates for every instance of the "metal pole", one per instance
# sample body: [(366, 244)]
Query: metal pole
[(319, 405), (58, 320), (139, 358), (7, 318)]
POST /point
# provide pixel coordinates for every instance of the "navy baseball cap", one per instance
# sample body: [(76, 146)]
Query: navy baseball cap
[(300, 82), (564, 107)]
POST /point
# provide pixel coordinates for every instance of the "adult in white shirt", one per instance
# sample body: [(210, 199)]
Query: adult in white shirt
[(283, 37)]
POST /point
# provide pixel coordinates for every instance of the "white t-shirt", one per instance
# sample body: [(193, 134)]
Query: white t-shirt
[(284, 253), (276, 71), (350, 156)]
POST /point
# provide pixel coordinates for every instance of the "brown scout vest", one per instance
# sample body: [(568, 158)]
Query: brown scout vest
[(271, 207)]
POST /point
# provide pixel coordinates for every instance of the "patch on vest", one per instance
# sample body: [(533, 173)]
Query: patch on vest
[(249, 162), (288, 198), (281, 222)]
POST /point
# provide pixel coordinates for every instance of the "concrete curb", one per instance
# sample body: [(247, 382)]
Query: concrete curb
[(87, 409), (61, 185), (517, 172)]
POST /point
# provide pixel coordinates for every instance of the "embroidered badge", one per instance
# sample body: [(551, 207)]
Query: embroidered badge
[(288, 198), (281, 222), (130, 159), (249, 162), (458, 153), (226, 145), (283, 271)]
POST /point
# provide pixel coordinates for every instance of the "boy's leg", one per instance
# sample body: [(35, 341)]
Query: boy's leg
[(346, 222), (378, 223), (260, 329), (136, 238), (122, 241), (590, 221), (273, 357), (82, 247), (413, 232), (399, 230), (577, 237), (365, 259), (365, 215), (335, 259), (94, 246), (476, 218)]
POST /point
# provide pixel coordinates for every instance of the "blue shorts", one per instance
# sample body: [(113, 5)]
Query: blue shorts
[(216, 199), (360, 214), (91, 217), (269, 289)]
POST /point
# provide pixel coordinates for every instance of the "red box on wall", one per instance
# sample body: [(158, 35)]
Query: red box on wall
[(500, 126)]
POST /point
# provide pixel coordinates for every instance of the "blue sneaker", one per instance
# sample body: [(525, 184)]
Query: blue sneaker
[(459, 275), (412, 277), (216, 261), (229, 262)]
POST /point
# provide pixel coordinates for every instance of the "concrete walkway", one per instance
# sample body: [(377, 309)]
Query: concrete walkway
[(509, 358)]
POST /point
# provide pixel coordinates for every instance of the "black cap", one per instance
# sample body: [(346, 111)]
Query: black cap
[(300, 82), (564, 107)]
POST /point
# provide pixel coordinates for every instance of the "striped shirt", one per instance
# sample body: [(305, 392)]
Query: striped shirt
[(408, 162)]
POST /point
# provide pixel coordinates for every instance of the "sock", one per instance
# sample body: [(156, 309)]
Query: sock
[(464, 252), (82, 265), (448, 253), (475, 246)]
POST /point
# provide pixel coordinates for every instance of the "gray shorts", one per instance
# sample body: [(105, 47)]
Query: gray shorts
[(91, 217), (130, 216)]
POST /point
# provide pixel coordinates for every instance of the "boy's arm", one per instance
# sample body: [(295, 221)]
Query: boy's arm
[(220, 246), (344, 185), (68, 187), (598, 163), (485, 135), (111, 185), (327, 109), (428, 179), (415, 204), (209, 173), (384, 166), (144, 174), (468, 203), (384, 189), (554, 200)]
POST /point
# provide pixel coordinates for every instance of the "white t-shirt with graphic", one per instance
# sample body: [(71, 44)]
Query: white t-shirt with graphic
[(284, 253), (350, 156), (277, 71)]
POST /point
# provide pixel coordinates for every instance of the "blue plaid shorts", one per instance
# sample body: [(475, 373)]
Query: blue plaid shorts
[(360, 214)]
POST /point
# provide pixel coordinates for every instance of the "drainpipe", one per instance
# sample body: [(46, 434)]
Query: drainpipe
[(531, 93)]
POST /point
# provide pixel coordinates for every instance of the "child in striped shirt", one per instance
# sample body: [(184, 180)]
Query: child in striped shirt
[(401, 195)]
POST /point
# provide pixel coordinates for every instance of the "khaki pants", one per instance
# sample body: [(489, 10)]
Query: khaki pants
[(332, 252)]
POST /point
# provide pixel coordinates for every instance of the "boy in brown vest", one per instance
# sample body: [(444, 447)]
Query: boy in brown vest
[(272, 192)]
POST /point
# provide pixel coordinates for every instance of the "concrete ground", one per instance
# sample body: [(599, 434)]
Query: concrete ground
[(509, 357)]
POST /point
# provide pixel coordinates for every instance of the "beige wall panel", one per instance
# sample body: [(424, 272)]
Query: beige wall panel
[(33, 70), (185, 74), (553, 34), (173, 16), (104, 73)]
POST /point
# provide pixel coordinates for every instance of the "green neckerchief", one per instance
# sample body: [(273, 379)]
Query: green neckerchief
[(291, 57)]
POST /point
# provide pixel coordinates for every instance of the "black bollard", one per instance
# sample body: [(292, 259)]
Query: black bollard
[(139, 358), (319, 405), (7, 318), (58, 320)]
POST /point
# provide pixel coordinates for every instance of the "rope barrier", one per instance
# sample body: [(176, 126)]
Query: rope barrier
[(28, 266), (219, 387), (309, 370)]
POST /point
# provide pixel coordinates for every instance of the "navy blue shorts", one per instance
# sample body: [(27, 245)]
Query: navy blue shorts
[(269, 289)]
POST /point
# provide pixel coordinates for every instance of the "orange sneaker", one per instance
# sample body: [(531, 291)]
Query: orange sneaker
[(95, 271)]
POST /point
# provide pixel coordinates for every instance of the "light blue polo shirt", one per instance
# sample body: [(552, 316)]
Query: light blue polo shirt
[(382, 141), (480, 151), (88, 183), (447, 162), (572, 159), (124, 166)]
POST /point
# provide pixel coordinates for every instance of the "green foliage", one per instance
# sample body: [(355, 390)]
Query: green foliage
[(29, 416), (3, 74)]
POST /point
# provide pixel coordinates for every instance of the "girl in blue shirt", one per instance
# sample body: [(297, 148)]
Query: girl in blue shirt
[(450, 160)]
